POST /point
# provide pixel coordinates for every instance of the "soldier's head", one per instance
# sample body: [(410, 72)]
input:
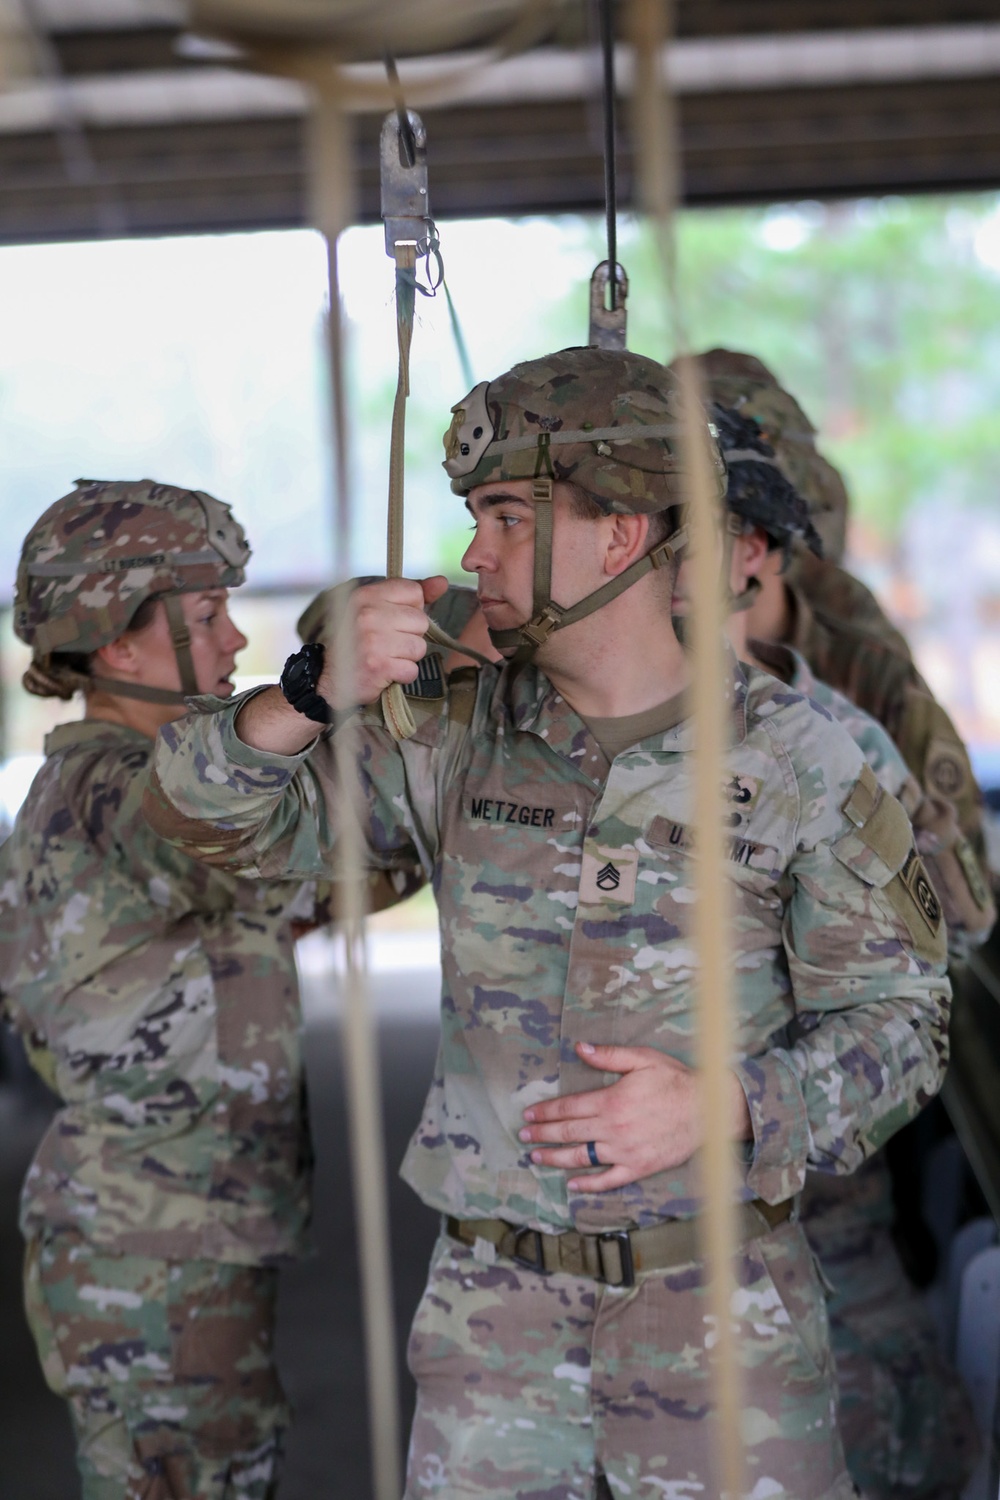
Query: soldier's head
[(765, 516), (121, 590), (742, 383), (573, 469)]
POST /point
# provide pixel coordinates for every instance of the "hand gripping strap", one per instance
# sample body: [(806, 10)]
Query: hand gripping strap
[(398, 718)]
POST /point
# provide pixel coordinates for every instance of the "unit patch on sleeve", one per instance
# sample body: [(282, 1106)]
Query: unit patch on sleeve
[(925, 897), (945, 768)]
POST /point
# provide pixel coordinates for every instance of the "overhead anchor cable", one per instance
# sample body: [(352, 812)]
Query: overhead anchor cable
[(609, 283), (410, 234)]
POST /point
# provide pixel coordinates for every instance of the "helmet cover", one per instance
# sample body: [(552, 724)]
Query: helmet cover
[(101, 551), (607, 420)]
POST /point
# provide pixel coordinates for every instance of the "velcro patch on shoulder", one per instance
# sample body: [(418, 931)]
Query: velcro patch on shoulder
[(863, 799), (429, 682), (877, 847)]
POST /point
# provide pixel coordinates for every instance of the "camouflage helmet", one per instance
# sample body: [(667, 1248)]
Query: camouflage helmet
[(757, 490), (742, 382), (96, 555), (607, 420)]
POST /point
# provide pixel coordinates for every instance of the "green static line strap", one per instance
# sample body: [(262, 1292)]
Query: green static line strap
[(399, 720), (439, 637), (459, 338)]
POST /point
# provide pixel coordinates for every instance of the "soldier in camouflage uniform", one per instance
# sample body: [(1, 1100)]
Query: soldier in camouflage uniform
[(159, 999), (840, 629), (905, 1418), (562, 1347)]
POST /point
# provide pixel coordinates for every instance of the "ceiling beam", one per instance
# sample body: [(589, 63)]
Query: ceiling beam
[(736, 148)]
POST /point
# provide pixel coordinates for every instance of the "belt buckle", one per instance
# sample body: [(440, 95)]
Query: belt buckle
[(622, 1239), (538, 1264)]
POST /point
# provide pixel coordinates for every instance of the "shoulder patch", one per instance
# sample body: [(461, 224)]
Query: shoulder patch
[(429, 681), (880, 850), (946, 769), (916, 880)]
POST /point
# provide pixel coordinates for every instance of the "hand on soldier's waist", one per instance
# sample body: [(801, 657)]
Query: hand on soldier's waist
[(650, 1120)]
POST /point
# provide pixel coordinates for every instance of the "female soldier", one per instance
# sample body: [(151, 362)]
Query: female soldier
[(159, 999)]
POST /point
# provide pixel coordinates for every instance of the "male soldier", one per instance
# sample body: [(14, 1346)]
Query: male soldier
[(159, 999), (837, 625), (562, 1346), (905, 1418)]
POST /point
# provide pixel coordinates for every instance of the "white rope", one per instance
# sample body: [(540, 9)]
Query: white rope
[(655, 137), (331, 206)]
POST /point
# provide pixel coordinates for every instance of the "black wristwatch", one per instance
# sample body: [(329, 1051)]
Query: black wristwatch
[(298, 683)]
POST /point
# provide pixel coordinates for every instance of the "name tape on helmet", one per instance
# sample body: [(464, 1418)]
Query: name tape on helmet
[(123, 564)]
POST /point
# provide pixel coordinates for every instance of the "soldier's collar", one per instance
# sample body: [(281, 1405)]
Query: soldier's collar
[(535, 706), (785, 663), (803, 619), (90, 731)]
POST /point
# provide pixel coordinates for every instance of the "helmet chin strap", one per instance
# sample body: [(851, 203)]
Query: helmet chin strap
[(180, 638), (547, 616)]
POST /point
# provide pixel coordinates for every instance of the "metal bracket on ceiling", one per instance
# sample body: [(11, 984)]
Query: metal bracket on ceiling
[(608, 325), (406, 207)]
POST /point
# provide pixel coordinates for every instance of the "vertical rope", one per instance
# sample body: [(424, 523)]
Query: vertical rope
[(330, 177), (650, 24)]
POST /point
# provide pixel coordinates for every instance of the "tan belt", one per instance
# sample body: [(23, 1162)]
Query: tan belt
[(618, 1255)]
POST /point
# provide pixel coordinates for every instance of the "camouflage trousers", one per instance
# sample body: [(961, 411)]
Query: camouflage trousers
[(905, 1418), (555, 1387), (167, 1369)]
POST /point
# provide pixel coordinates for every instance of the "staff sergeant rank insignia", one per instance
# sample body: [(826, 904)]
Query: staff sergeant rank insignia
[(608, 878)]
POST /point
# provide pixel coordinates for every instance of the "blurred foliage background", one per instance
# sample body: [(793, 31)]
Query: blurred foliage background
[(201, 361)]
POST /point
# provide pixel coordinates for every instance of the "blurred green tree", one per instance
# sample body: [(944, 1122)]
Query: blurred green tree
[(881, 316)]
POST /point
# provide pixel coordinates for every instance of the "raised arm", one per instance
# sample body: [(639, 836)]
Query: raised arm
[(252, 787), (388, 622)]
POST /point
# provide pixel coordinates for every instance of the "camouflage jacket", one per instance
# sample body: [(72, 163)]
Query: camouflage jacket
[(951, 863), (160, 1000), (564, 888), (867, 733), (848, 642)]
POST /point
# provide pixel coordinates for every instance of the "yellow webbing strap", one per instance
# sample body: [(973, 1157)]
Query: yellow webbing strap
[(399, 720), (655, 134)]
